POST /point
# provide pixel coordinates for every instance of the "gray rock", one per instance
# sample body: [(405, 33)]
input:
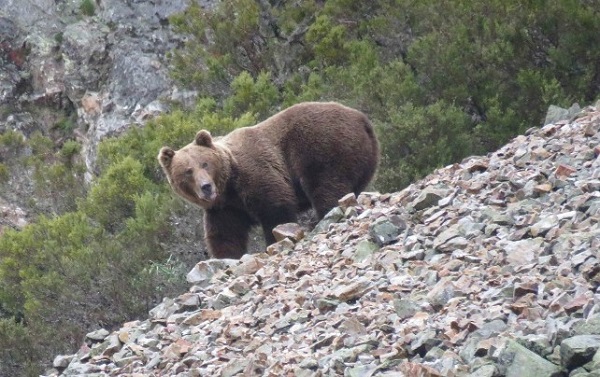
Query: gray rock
[(521, 362), (335, 215), (595, 363), (234, 367), (62, 361), (443, 238), (556, 114), (384, 232), (348, 200), (97, 335), (29, 13), (405, 308), (488, 370), (428, 198), (418, 254), (590, 326), (523, 251), (486, 331), (441, 293), (164, 310), (85, 55), (538, 343), (364, 250), (469, 228), (223, 299), (496, 217), (361, 371), (346, 355), (578, 350), (543, 226), (204, 270), (424, 342)]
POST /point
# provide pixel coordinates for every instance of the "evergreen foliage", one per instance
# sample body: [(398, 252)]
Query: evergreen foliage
[(440, 81), (101, 262), (500, 63), (87, 7)]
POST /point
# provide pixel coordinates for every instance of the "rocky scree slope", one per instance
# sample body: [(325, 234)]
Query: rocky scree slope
[(489, 267)]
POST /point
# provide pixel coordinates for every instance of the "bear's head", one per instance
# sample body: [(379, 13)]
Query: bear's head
[(199, 171)]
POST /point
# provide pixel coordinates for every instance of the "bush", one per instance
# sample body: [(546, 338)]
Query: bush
[(257, 97), (4, 173), (112, 199), (87, 7), (411, 150), (10, 143), (69, 150), (15, 349)]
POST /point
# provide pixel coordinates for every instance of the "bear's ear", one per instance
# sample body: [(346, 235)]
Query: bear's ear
[(165, 156), (204, 139)]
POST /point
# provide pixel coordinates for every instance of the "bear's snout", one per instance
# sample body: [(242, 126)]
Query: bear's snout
[(206, 189)]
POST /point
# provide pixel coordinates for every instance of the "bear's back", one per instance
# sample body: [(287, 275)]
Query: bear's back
[(309, 138)]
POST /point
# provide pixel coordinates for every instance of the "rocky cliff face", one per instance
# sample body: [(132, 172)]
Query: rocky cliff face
[(106, 71), (489, 267)]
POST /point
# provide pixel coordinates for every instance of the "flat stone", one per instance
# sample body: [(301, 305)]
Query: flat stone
[(364, 250), (248, 265), (564, 171), (521, 362), (405, 308), (348, 200), (578, 350), (334, 216), (384, 232), (204, 270), (285, 245), (443, 238), (590, 326), (292, 231), (426, 199), (441, 293), (352, 291), (97, 335), (62, 361), (543, 226), (523, 251), (488, 370)]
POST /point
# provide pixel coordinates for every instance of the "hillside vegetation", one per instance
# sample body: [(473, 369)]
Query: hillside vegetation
[(440, 81)]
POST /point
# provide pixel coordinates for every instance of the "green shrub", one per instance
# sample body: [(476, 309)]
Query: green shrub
[(66, 124), (257, 97), (87, 7), (15, 349), (59, 184), (221, 46), (69, 149), (59, 37), (11, 143), (4, 173), (112, 199), (328, 41), (418, 139), (42, 147)]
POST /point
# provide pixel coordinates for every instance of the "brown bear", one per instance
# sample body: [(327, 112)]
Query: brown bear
[(309, 155)]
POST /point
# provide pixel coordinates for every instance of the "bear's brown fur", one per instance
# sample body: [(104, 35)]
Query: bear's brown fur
[(310, 154)]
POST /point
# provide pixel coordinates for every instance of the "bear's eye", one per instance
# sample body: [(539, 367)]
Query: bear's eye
[(204, 165), (189, 171)]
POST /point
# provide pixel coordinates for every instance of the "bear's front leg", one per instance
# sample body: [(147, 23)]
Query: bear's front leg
[(276, 216), (226, 232)]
